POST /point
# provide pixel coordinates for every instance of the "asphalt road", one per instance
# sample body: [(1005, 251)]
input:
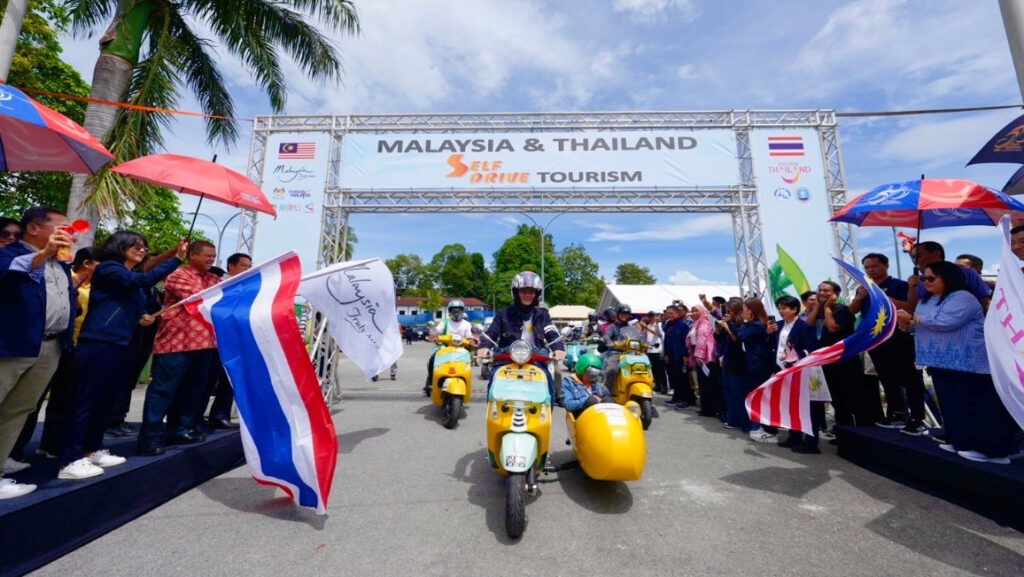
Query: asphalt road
[(412, 498)]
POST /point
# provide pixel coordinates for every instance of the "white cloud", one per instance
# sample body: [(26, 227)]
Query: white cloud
[(933, 143), (893, 45), (685, 228), (730, 259), (616, 248), (654, 10), (686, 277)]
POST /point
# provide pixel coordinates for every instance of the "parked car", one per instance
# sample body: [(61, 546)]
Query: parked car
[(421, 332)]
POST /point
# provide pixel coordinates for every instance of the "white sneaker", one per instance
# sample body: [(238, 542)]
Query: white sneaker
[(9, 489), (761, 436), (983, 458), (80, 469), (947, 447), (11, 466), (103, 458)]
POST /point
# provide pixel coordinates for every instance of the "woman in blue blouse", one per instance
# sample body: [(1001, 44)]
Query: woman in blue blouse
[(117, 307), (949, 326)]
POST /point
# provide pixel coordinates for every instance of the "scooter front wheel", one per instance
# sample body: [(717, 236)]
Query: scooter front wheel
[(515, 505), (646, 412), (450, 411)]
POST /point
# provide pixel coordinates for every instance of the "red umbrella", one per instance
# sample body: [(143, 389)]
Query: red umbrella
[(201, 178), (34, 137)]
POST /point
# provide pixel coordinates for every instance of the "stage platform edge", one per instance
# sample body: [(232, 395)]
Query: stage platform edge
[(62, 516), (994, 491)]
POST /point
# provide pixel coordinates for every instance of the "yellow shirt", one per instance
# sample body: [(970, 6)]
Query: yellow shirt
[(83, 303)]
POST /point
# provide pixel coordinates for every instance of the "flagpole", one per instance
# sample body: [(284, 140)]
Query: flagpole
[(1013, 22), (336, 268)]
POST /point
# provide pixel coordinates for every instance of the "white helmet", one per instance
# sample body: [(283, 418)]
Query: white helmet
[(527, 279)]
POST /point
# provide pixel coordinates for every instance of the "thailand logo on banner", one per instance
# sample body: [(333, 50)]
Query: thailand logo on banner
[(795, 207), (358, 298), (633, 159), (1004, 330)]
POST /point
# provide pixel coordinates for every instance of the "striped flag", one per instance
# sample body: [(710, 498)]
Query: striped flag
[(784, 399), (287, 432), (296, 150), (785, 146)]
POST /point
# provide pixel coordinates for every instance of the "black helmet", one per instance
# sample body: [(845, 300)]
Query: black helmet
[(623, 309), (609, 313), (592, 316)]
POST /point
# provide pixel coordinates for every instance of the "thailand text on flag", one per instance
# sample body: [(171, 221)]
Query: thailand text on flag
[(784, 399), (296, 151), (358, 298), (287, 432), (785, 146), (1004, 330)]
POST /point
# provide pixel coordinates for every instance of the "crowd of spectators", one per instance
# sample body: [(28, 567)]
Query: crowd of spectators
[(79, 335), (711, 355)]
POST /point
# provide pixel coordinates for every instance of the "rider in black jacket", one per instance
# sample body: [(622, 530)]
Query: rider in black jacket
[(525, 320)]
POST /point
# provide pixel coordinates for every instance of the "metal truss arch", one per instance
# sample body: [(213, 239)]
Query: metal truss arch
[(740, 201)]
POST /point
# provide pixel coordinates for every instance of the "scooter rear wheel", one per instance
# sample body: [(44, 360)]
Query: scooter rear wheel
[(515, 505), (451, 409)]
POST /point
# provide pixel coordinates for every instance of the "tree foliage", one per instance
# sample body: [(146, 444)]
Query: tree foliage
[(522, 252), (582, 280), (458, 273), (410, 274), (37, 65), (632, 273)]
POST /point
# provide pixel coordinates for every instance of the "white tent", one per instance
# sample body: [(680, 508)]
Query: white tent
[(655, 297), (570, 312)]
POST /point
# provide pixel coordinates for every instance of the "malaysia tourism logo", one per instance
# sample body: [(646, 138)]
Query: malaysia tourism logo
[(785, 146), (279, 192), (298, 193)]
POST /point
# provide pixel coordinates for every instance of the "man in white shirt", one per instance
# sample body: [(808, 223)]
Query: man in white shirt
[(454, 323)]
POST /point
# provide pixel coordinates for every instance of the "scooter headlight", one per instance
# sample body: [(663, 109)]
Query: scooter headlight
[(634, 345), (457, 339), (520, 352)]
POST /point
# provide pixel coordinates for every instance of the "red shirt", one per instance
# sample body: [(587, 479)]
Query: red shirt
[(179, 331)]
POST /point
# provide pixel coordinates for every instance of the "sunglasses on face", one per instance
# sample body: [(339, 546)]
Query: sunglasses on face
[(141, 247), (9, 234), (929, 278)]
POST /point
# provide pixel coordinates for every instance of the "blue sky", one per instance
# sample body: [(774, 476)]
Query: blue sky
[(570, 55)]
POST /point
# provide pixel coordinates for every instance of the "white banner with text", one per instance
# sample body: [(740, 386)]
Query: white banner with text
[(622, 159)]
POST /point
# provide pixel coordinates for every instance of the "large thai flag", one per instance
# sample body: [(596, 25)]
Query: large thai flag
[(784, 399), (287, 432)]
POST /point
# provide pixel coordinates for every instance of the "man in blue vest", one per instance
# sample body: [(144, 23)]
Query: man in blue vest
[(37, 305)]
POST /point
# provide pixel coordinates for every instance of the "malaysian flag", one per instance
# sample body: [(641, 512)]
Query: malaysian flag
[(785, 146), (784, 399), (296, 151)]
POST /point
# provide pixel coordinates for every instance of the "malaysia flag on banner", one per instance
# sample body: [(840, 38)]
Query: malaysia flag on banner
[(785, 146), (1004, 330), (784, 399), (287, 432), (358, 298), (296, 151)]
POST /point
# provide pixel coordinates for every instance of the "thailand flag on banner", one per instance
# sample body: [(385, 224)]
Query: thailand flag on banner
[(784, 399), (287, 432), (785, 146), (358, 298), (1004, 330)]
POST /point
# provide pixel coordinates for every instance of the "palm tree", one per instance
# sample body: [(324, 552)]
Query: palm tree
[(152, 49)]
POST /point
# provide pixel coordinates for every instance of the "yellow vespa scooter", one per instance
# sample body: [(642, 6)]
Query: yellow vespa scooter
[(634, 381), (451, 381), (518, 426)]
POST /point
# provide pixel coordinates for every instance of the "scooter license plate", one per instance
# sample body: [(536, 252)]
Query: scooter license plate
[(515, 461)]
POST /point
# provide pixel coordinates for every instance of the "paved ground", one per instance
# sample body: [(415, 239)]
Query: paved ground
[(411, 498)]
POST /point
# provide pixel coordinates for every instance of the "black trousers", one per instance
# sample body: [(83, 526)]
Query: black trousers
[(712, 398), (681, 391), (894, 362), (142, 344), (219, 387), (851, 393), (658, 368)]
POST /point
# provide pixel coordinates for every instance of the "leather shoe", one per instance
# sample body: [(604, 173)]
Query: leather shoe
[(151, 450), (222, 424), (183, 439)]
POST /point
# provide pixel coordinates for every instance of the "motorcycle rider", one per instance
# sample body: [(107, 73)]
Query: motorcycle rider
[(623, 318), (593, 327), (584, 389), (525, 320), (607, 319), (455, 322)]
